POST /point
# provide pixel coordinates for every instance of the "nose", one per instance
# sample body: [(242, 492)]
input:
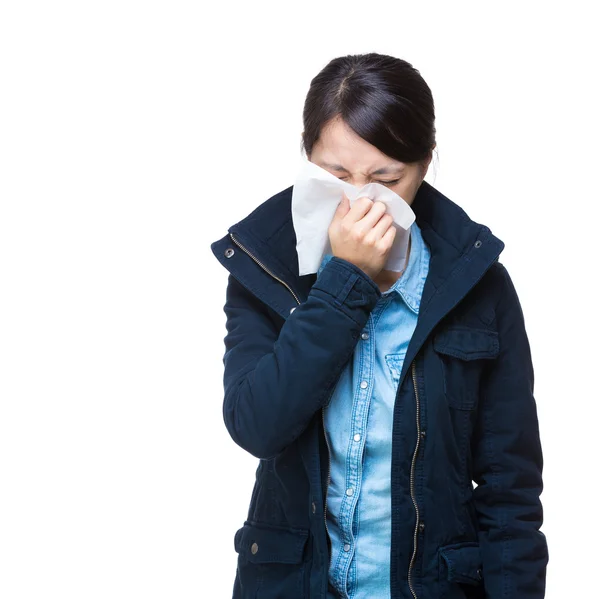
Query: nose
[(358, 181)]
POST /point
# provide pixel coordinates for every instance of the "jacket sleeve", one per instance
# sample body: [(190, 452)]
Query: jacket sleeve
[(507, 460), (274, 381)]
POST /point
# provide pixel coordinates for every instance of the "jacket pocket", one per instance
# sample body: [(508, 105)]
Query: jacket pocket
[(395, 363), (460, 570), (271, 560), (463, 352)]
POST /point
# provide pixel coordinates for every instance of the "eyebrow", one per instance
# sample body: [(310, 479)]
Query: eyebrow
[(386, 170)]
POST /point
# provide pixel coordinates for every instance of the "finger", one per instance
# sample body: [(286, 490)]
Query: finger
[(345, 203), (388, 237), (365, 224), (342, 208), (381, 227), (360, 207)]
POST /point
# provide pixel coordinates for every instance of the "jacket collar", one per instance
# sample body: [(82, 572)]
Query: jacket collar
[(461, 252), (269, 234)]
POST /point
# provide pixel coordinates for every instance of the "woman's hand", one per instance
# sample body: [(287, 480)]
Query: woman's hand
[(362, 234)]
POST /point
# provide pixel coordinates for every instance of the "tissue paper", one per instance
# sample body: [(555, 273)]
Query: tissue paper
[(315, 196)]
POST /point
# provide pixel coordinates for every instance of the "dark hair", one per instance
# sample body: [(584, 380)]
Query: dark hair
[(383, 99)]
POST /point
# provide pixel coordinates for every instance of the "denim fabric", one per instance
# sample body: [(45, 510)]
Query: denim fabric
[(358, 422)]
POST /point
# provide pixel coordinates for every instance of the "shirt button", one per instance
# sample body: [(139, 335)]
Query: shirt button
[(421, 526), (364, 385), (364, 336), (346, 547), (314, 507), (254, 548), (350, 491), (292, 309), (357, 437)]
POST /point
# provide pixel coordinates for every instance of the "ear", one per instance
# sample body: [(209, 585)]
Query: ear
[(425, 164)]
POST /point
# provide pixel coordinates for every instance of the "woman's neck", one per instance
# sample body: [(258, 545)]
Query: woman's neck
[(386, 278)]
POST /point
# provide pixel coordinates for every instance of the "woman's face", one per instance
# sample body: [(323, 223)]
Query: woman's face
[(350, 158)]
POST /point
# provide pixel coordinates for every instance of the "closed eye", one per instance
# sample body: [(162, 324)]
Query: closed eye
[(382, 182)]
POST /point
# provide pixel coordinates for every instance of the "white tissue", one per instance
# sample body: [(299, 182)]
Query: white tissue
[(315, 196)]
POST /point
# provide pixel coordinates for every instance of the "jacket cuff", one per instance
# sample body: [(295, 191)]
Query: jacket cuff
[(347, 284)]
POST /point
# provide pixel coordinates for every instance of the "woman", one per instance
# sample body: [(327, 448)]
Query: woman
[(375, 398)]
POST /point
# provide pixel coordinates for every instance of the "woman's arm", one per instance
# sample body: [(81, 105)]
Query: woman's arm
[(275, 381), (507, 459)]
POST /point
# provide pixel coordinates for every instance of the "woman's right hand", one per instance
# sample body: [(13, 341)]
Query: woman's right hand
[(362, 234)]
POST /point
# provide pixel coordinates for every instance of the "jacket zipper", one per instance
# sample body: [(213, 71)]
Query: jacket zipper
[(263, 266), (322, 409), (326, 486), (412, 483)]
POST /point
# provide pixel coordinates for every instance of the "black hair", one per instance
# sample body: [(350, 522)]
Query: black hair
[(383, 99)]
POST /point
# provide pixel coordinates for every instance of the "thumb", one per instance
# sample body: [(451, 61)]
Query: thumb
[(343, 207)]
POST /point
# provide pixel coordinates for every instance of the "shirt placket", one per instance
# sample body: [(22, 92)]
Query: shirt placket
[(364, 373)]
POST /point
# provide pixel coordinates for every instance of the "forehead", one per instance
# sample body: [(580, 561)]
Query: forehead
[(340, 149)]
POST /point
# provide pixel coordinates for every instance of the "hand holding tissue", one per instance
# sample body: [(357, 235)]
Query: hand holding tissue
[(315, 197)]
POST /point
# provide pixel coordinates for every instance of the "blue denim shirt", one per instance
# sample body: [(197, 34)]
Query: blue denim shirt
[(358, 423)]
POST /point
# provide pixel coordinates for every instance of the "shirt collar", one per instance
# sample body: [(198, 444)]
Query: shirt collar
[(410, 285)]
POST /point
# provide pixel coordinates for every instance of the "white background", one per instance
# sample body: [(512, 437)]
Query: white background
[(132, 135)]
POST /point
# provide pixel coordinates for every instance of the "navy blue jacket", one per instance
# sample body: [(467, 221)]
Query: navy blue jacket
[(464, 411)]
